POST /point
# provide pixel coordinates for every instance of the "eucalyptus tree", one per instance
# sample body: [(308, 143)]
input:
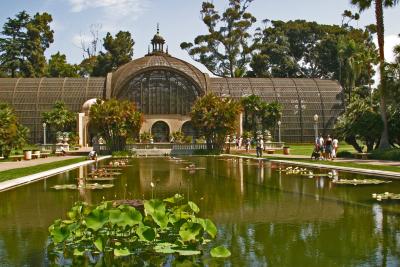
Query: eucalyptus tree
[(380, 28), (226, 49)]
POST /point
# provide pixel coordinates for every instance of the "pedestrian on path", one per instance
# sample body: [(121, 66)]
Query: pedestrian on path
[(335, 145), (259, 147)]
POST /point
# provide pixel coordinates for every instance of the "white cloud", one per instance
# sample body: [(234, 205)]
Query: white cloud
[(111, 13), (390, 42)]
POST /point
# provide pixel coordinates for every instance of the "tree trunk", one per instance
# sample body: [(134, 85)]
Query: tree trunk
[(351, 140), (384, 142)]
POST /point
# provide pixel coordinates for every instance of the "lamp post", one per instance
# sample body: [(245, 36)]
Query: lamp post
[(279, 131), (44, 133), (316, 126)]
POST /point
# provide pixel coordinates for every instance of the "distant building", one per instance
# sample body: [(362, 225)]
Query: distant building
[(164, 88)]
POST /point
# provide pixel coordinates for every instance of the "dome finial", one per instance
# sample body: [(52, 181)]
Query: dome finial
[(158, 41)]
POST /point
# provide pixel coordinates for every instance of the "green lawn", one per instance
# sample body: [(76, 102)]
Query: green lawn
[(20, 172), (306, 149)]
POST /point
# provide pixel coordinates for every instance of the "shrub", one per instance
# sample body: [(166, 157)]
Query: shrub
[(345, 154), (386, 154), (123, 154)]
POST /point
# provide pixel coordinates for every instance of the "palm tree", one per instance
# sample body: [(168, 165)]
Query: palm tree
[(379, 5)]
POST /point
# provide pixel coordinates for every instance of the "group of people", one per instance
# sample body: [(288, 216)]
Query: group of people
[(325, 148)]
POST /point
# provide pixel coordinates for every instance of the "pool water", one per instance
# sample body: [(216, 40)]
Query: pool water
[(265, 216)]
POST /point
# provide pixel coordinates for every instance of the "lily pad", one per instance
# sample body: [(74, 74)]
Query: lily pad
[(123, 252), (220, 252)]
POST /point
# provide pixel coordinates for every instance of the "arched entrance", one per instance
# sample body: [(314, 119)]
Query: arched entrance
[(189, 130), (160, 132)]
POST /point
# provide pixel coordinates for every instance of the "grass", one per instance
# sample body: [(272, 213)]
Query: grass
[(306, 149), (20, 172)]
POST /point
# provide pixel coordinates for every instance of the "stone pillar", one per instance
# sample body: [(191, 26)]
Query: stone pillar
[(81, 129)]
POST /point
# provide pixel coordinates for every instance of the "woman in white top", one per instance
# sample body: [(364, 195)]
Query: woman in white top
[(335, 144)]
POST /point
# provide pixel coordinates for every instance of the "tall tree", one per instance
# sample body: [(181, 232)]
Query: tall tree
[(25, 40), (119, 50), (225, 50), (215, 117), (380, 28), (13, 43), (115, 121), (59, 67)]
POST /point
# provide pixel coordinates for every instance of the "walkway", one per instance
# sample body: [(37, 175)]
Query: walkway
[(7, 185)]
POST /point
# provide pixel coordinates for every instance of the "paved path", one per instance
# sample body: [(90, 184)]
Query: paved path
[(10, 184), (29, 163)]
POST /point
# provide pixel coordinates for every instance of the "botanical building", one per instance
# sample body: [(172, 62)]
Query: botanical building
[(164, 88)]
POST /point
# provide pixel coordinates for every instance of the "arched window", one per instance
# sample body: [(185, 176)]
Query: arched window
[(189, 130), (160, 132), (161, 92)]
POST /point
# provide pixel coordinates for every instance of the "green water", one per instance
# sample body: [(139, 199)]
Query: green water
[(265, 217)]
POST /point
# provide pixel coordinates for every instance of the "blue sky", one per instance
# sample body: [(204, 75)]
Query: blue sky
[(179, 19)]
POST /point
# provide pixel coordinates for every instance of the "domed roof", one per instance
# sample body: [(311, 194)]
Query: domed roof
[(158, 39), (155, 61)]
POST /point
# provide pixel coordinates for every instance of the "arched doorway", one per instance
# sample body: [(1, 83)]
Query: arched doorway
[(160, 132), (189, 130)]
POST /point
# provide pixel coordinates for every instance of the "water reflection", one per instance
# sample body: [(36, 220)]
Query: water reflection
[(265, 216)]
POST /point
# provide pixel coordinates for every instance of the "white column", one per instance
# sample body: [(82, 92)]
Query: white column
[(81, 128), (240, 125)]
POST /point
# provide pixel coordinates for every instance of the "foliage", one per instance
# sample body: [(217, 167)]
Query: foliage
[(58, 67), (59, 118), (145, 137), (259, 115), (386, 154), (123, 154), (300, 48), (119, 50), (345, 154), (13, 135), (225, 50), (178, 136), (167, 226), (115, 121), (215, 117), (359, 122), (379, 5), (25, 40)]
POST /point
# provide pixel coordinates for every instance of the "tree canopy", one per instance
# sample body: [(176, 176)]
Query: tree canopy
[(118, 51), (215, 117), (23, 43), (59, 67), (60, 118), (115, 121), (13, 135), (225, 50)]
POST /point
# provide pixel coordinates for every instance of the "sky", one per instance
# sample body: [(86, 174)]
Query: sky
[(179, 20)]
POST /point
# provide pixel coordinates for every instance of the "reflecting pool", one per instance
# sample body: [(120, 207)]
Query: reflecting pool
[(265, 216)]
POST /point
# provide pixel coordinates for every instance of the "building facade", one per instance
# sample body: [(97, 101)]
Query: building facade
[(164, 88)]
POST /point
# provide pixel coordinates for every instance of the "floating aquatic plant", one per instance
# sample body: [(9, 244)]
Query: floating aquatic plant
[(359, 181), (168, 226), (386, 196), (82, 186)]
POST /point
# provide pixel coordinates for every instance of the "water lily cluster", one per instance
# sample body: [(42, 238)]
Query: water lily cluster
[(386, 196), (168, 226)]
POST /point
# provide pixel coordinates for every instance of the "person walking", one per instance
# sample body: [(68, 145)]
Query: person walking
[(259, 147), (328, 147), (335, 145), (247, 144)]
